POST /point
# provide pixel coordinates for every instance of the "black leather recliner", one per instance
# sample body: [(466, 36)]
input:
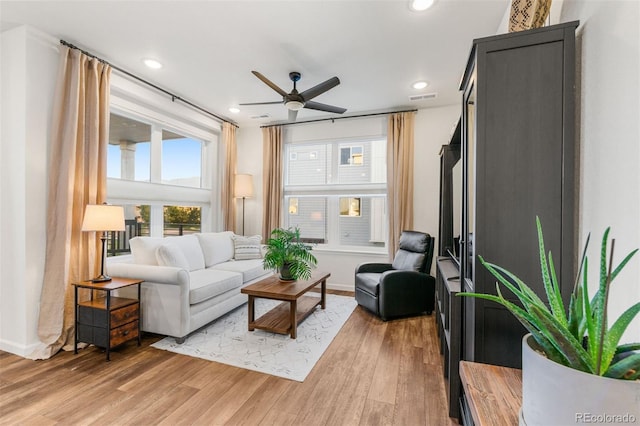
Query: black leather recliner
[(401, 288)]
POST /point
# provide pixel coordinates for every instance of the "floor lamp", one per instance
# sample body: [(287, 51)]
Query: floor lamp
[(103, 218), (243, 189)]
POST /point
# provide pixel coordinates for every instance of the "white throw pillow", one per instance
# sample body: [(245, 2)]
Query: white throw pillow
[(171, 255), (247, 247), (191, 250), (217, 247), (143, 249)]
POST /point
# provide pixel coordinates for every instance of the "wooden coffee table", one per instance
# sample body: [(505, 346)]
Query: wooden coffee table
[(285, 317)]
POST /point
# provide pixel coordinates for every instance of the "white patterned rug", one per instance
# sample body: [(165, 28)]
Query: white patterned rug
[(227, 340)]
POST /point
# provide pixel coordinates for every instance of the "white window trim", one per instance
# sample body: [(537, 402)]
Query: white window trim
[(140, 103)]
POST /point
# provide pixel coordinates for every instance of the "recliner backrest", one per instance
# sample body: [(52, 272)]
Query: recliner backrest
[(415, 252)]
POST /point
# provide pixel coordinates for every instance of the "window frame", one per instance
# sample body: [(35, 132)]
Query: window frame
[(334, 191), (133, 101)]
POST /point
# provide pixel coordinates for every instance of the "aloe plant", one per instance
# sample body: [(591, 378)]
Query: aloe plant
[(284, 249), (582, 338)]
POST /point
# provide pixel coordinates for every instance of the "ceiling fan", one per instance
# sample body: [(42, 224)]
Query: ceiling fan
[(295, 101)]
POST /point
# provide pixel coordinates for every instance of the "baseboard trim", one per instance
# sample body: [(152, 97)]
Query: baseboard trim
[(341, 287), (17, 349)]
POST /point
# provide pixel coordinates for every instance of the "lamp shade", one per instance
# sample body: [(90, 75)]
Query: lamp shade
[(244, 186), (102, 217)]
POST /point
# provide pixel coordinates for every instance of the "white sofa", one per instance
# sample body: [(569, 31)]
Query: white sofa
[(189, 280)]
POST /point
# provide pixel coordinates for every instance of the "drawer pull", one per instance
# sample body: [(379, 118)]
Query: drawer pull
[(125, 333)]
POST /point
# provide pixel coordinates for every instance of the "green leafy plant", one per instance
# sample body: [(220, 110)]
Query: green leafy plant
[(582, 339), (288, 255)]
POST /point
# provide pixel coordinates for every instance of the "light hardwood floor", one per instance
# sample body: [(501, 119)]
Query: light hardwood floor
[(374, 373)]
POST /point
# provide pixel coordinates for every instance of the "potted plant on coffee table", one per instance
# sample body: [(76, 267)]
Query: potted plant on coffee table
[(573, 368), (288, 255)]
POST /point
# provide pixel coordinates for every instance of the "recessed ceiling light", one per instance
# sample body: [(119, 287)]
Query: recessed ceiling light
[(420, 5), (152, 63), (234, 110), (419, 85)]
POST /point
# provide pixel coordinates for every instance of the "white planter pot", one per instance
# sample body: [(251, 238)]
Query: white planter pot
[(553, 394)]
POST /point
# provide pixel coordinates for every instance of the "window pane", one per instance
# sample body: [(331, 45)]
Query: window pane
[(310, 217), (308, 164), (367, 228), (128, 154), (181, 220), (181, 160), (135, 226)]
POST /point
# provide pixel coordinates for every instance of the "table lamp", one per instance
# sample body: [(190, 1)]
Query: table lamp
[(103, 218)]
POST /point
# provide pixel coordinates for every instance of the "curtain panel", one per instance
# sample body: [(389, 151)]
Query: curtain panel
[(272, 167), (77, 177), (400, 131), (229, 178)]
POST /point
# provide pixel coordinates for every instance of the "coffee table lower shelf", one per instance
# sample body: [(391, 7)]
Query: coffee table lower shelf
[(280, 319)]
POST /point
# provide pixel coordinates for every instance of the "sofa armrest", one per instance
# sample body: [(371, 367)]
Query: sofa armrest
[(150, 273), (376, 268)]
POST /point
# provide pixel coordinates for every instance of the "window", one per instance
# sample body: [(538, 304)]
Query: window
[(338, 206), (351, 156), (161, 169), (181, 220), (129, 150), (349, 206), (181, 160)]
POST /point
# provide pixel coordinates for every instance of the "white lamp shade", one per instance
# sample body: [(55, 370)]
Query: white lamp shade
[(244, 186), (101, 217)]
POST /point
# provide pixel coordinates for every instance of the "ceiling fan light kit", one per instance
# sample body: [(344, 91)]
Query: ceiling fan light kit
[(296, 101)]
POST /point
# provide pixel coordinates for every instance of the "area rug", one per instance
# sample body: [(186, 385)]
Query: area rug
[(228, 341)]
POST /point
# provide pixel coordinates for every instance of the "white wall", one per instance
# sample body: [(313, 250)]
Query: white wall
[(433, 128), (29, 71), (609, 44)]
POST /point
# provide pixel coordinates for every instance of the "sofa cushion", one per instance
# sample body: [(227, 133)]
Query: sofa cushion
[(170, 254), (206, 284), (247, 247), (217, 247), (191, 249), (250, 269), (143, 249)]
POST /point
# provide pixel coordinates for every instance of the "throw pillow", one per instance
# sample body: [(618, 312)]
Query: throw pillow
[(171, 255), (144, 249), (247, 247)]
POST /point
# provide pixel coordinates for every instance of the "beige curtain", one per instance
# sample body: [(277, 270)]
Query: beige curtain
[(229, 178), (77, 177), (271, 179), (400, 130)]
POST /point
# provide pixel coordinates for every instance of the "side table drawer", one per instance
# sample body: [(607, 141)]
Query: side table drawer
[(125, 315), (122, 334)]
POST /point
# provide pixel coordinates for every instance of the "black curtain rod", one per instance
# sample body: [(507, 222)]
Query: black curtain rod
[(338, 118), (160, 89)]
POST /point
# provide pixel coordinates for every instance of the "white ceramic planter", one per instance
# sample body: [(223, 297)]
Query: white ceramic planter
[(553, 394)]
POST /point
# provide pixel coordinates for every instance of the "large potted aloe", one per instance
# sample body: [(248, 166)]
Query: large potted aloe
[(573, 368)]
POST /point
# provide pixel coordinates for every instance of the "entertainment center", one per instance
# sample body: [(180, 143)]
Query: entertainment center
[(517, 161)]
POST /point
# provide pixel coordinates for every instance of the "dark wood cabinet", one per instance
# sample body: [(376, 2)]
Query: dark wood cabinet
[(518, 153)]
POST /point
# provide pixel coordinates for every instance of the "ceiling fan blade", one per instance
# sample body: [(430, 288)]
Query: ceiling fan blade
[(262, 103), (324, 107), (269, 83), (293, 114), (320, 88)]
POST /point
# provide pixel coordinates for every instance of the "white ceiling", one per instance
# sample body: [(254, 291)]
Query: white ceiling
[(209, 48)]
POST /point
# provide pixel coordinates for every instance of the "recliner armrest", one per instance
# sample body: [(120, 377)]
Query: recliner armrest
[(403, 278), (376, 268)]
